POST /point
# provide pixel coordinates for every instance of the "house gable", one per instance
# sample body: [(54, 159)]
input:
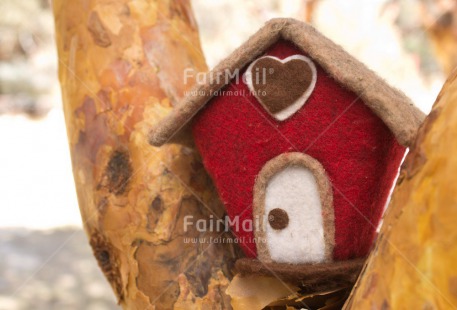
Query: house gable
[(392, 106)]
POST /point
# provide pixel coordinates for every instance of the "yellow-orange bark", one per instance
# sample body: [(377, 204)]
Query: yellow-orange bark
[(413, 265), (121, 66)]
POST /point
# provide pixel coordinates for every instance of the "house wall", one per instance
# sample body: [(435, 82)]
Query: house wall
[(236, 137)]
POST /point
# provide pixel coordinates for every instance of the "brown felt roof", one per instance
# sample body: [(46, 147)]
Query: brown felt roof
[(391, 105)]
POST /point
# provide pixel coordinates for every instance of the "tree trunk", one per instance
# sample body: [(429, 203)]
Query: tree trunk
[(121, 67), (413, 263)]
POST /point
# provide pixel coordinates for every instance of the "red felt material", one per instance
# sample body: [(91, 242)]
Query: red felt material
[(236, 137)]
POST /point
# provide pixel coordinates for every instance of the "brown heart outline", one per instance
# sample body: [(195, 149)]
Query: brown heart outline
[(282, 86)]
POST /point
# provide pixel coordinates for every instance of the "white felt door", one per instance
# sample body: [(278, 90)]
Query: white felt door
[(295, 191)]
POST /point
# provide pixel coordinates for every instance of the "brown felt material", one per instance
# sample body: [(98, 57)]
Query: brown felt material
[(391, 105), (278, 85), (326, 275), (272, 167), (278, 219)]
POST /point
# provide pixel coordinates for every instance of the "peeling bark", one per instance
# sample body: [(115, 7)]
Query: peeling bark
[(413, 263), (120, 68)]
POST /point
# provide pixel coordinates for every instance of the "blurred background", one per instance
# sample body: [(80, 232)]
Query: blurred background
[(45, 260)]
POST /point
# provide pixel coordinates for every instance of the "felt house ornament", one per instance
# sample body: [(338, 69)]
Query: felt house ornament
[(306, 142)]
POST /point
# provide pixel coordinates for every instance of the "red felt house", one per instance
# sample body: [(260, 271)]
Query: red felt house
[(305, 141)]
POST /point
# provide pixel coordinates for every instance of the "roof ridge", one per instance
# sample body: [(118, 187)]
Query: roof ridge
[(390, 104)]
